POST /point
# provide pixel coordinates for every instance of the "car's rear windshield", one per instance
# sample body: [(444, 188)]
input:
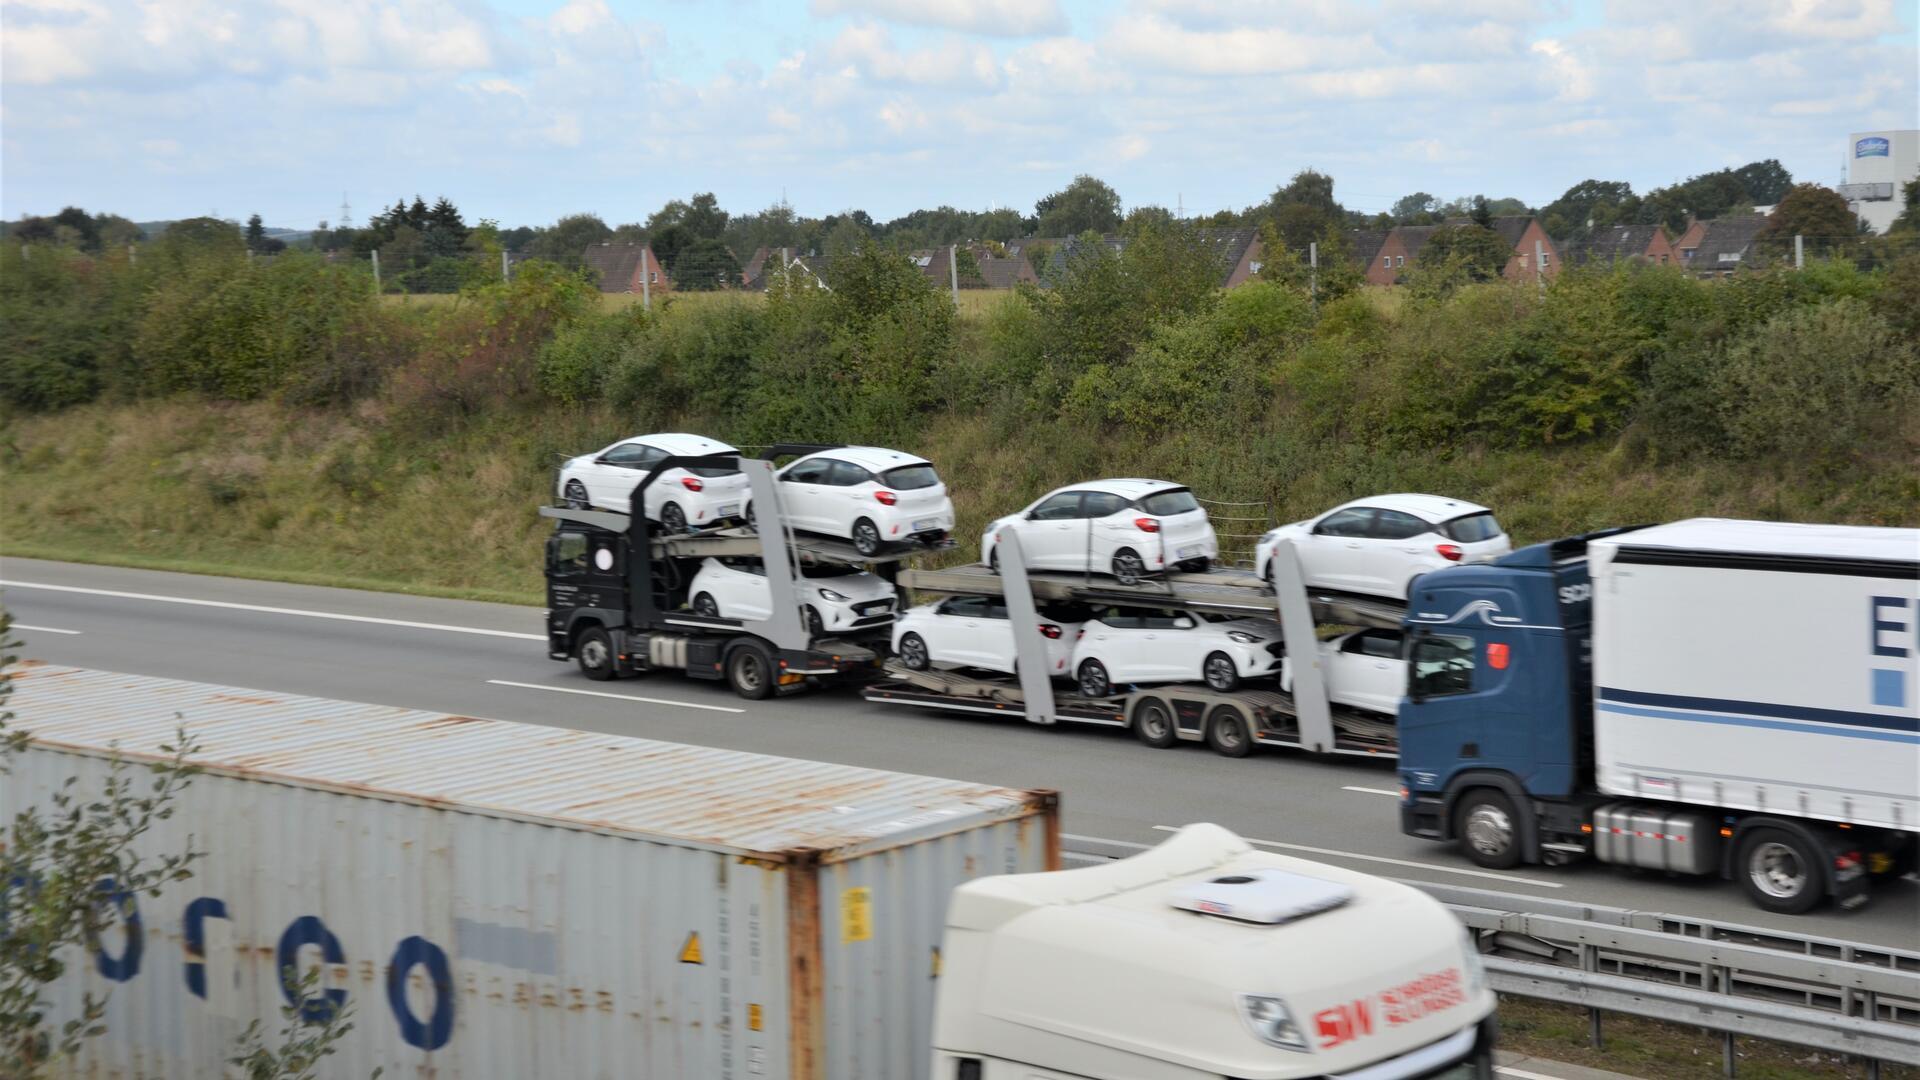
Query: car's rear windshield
[(1471, 528), (711, 471), (909, 477), (1067, 611), (1164, 503), (830, 570)]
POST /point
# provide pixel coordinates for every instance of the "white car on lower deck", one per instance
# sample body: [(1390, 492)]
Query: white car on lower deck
[(679, 499), (870, 495), (1378, 545), (1363, 670), (1125, 528), (1121, 645), (976, 632), (836, 599)]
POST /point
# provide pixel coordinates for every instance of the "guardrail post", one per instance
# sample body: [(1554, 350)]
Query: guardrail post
[(1729, 1060), (1590, 961)]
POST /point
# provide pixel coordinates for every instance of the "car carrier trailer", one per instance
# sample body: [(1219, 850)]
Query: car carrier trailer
[(1230, 722), (616, 593)]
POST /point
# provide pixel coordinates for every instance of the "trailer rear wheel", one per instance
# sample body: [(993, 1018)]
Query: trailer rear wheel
[(750, 672), (1780, 871), (1227, 732), (1153, 723), (593, 651), (1489, 829)]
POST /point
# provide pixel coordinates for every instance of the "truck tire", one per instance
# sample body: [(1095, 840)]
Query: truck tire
[(1227, 732), (750, 672), (1488, 828), (593, 651), (1781, 871), (1153, 723)]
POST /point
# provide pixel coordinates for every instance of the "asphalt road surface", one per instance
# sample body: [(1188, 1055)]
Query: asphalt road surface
[(490, 660)]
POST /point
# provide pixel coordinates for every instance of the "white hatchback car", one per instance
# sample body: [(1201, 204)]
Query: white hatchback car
[(1379, 545), (1144, 645), (867, 494), (679, 499), (1363, 669), (839, 599), (976, 632), (1126, 528)]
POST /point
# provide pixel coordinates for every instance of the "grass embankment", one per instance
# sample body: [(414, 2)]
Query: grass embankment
[(350, 497), (1663, 1051)]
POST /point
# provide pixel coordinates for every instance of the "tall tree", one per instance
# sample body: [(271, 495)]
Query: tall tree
[(1819, 215), (1767, 182), (1303, 209), (256, 234), (1086, 205), (565, 240), (1586, 206), (1414, 209), (1473, 250)]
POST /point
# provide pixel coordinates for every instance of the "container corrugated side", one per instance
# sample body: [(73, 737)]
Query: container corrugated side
[(548, 949)]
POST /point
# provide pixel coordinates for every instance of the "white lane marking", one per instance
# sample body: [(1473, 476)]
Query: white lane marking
[(1370, 790), (1508, 1070), (1515, 878), (275, 610), (622, 697), (43, 629)]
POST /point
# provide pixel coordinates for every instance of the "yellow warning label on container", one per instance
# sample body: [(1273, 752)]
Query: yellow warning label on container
[(753, 1017), (690, 952), (856, 914), (934, 971)]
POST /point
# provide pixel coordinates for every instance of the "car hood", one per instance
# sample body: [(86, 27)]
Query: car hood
[(1264, 629), (995, 525), (859, 588)]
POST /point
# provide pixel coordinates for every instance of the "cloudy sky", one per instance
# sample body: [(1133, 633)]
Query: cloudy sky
[(522, 110)]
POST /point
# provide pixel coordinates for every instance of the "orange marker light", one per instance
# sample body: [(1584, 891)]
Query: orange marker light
[(1498, 655)]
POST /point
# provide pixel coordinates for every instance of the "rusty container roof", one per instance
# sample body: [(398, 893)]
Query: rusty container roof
[(754, 804)]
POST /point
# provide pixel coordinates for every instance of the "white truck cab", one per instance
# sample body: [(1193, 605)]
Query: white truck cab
[(1204, 959)]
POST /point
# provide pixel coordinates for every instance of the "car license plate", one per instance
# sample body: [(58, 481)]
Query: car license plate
[(1192, 551), (727, 510), (926, 523)]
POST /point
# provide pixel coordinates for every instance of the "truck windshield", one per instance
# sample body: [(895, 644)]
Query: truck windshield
[(1472, 528), (910, 477)]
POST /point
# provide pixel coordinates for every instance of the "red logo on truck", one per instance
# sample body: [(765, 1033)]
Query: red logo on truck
[(1403, 1004)]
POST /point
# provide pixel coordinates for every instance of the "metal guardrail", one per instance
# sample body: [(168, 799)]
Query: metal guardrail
[(1835, 996)]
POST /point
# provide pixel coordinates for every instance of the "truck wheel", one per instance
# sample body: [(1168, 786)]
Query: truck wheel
[(1218, 670), (1153, 723), (866, 538), (1227, 732), (1093, 680), (1780, 871), (750, 672), (673, 520), (593, 650), (913, 652), (1489, 829), (1128, 566), (705, 606)]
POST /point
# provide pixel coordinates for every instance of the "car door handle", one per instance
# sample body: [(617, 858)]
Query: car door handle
[(1355, 547)]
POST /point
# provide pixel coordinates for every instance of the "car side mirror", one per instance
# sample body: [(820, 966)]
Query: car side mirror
[(1183, 623)]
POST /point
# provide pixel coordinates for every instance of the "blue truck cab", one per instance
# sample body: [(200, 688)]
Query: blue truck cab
[(1500, 694)]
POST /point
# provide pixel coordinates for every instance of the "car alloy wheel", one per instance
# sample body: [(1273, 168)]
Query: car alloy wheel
[(1128, 567), (913, 653), (577, 495), (866, 538), (1220, 673), (673, 519), (705, 606), (1093, 680)]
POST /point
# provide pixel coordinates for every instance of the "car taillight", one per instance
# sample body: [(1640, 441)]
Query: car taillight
[(1050, 630), (1847, 861), (1146, 524), (887, 498), (1449, 552), (691, 483)]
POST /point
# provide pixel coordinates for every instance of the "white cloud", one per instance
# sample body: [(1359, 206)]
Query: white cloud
[(869, 49), (1154, 40), (994, 18)]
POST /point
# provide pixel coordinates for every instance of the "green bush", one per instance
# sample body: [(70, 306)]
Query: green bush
[(574, 365)]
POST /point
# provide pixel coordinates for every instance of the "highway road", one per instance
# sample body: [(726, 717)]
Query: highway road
[(490, 660)]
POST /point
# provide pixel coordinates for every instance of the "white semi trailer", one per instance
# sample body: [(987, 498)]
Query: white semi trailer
[(496, 899)]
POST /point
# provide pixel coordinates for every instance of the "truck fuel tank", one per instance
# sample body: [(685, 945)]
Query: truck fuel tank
[(1656, 837)]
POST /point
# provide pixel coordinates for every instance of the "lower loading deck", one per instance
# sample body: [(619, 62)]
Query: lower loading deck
[(1231, 723), (1226, 592)]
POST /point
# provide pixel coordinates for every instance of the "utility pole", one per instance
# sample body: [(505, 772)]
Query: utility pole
[(1799, 252), (646, 277), (953, 272), (1540, 264), (376, 271), (131, 256), (1313, 272), (503, 265)]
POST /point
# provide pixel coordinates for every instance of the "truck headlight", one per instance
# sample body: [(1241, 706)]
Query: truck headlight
[(829, 594), (1475, 967), (1271, 1023)]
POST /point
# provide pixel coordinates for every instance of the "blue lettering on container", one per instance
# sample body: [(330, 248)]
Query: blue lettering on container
[(1889, 684), (127, 964), (1883, 626), (303, 931), (412, 952), (195, 931), (1890, 687)]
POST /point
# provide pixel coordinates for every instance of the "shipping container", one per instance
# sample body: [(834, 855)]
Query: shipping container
[(497, 899)]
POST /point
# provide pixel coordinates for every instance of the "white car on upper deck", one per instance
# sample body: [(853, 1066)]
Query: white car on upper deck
[(1378, 545), (679, 499), (869, 495), (1126, 528)]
